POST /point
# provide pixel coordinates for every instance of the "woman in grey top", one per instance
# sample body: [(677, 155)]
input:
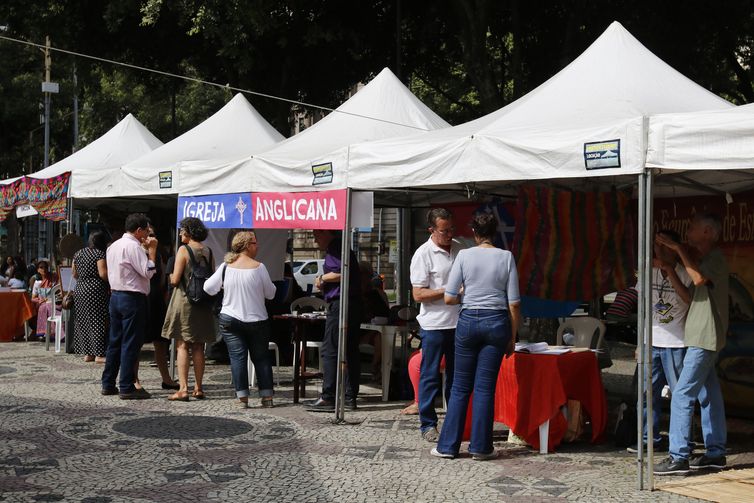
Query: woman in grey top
[(484, 281)]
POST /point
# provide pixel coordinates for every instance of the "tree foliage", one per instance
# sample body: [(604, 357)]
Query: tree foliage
[(464, 58)]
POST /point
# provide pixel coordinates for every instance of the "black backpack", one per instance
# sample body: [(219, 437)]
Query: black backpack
[(200, 272)]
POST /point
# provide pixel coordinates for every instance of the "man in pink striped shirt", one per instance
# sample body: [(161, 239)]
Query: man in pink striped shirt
[(128, 270)]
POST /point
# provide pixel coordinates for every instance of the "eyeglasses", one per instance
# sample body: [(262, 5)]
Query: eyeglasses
[(445, 232)]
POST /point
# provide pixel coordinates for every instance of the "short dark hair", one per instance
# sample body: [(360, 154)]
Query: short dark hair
[(711, 219), (98, 240), (194, 227), (437, 214), (673, 235), (136, 221), (484, 225)]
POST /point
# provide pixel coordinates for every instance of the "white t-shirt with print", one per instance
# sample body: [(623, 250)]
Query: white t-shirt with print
[(430, 268), (668, 309)]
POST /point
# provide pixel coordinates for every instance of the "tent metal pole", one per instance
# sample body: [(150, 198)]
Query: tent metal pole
[(647, 286), (345, 260), (641, 234)]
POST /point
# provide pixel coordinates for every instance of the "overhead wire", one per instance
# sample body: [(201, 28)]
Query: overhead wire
[(205, 82)]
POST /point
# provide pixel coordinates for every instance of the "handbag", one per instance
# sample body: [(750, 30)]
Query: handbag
[(67, 302)]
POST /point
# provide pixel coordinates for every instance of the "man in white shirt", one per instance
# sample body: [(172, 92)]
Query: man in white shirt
[(670, 304), (430, 268)]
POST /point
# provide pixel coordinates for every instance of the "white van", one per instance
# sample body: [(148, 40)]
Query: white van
[(305, 272)]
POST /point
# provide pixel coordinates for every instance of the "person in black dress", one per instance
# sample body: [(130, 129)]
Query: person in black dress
[(91, 299)]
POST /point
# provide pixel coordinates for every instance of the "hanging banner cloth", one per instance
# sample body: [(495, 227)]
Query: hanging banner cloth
[(49, 196), (268, 210), (573, 245)]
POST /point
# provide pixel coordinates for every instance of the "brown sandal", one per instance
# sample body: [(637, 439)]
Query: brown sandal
[(198, 394), (179, 397)]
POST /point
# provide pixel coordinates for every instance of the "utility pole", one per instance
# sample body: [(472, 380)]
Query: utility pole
[(47, 88), (75, 110)]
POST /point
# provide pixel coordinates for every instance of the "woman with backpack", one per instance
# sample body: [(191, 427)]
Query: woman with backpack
[(189, 319)]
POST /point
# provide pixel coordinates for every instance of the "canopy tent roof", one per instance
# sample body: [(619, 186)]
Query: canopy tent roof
[(236, 130), (384, 108), (94, 166), (603, 95)]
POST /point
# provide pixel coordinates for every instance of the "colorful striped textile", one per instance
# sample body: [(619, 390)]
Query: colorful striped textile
[(573, 245), (49, 196)]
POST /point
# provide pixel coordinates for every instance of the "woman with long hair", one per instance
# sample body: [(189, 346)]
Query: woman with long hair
[(40, 293), (484, 280), (91, 299), (244, 322), (191, 325)]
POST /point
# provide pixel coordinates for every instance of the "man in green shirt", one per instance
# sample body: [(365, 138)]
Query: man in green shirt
[(706, 326)]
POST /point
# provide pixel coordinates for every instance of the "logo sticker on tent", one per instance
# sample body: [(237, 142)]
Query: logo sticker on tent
[(166, 179), (322, 173), (602, 154)]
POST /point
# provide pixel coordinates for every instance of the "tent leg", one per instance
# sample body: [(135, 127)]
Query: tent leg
[(345, 257)]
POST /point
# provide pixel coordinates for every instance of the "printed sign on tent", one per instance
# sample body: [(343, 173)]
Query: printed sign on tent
[(300, 210), (218, 211)]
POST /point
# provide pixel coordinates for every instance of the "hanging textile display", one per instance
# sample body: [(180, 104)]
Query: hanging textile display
[(573, 245), (49, 196)]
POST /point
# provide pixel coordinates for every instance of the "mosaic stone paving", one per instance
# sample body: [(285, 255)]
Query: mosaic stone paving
[(60, 440)]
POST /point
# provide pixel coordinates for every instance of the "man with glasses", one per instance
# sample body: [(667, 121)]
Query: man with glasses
[(129, 270), (430, 268)]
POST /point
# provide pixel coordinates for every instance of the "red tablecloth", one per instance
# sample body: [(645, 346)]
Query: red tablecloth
[(15, 309), (531, 388)]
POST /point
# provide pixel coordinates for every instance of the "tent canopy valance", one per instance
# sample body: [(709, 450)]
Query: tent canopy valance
[(48, 196)]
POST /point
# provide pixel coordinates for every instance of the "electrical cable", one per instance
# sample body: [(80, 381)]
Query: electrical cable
[(200, 81)]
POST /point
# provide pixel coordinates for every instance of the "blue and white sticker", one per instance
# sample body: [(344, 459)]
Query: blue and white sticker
[(602, 154), (166, 179), (322, 173)]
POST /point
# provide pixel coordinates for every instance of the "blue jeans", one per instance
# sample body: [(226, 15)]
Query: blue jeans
[(482, 336), (435, 344), (128, 321), (698, 381), (667, 364), (243, 339)]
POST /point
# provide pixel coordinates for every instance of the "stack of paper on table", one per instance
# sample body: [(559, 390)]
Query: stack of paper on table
[(540, 348)]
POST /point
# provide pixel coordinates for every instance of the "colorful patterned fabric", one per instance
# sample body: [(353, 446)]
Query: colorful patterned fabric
[(573, 245), (49, 196)]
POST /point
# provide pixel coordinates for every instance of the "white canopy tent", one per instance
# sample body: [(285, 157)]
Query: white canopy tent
[(589, 121), (384, 108), (192, 160), (603, 97), (94, 167), (701, 144)]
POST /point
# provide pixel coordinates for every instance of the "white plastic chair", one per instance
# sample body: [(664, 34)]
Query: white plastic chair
[(587, 332), (55, 318), (252, 371), (318, 305)]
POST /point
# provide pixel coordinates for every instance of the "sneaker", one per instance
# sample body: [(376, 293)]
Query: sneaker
[(702, 462), (350, 404), (439, 454), (109, 391), (661, 445), (431, 435), (669, 466), (137, 394), (485, 457)]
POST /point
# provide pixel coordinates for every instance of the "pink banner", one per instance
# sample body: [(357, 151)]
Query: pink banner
[(299, 210)]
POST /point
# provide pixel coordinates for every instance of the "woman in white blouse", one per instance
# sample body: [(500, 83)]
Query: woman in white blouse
[(244, 323)]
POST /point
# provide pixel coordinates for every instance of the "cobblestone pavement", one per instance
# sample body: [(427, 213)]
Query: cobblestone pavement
[(60, 440)]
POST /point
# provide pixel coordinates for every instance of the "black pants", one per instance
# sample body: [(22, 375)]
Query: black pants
[(330, 350)]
